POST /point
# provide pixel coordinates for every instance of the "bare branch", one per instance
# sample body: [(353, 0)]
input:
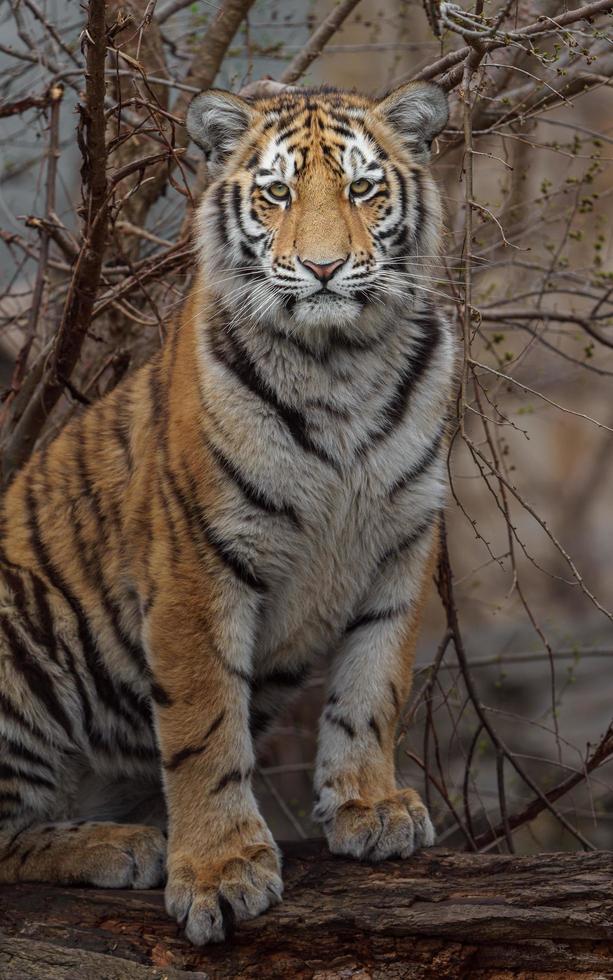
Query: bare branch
[(79, 303), (318, 41)]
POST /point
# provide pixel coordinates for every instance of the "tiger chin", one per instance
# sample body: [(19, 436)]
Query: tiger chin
[(263, 496)]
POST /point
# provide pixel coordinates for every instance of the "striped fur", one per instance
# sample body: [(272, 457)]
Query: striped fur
[(264, 493)]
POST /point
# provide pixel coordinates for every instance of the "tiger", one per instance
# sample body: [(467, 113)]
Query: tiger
[(261, 498)]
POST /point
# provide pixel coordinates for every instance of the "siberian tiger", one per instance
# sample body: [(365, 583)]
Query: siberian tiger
[(264, 493)]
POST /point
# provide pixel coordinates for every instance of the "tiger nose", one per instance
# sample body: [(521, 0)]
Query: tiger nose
[(323, 270)]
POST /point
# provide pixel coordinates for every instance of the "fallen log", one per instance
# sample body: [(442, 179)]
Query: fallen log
[(440, 914)]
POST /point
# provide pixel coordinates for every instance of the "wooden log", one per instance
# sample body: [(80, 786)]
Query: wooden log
[(439, 914)]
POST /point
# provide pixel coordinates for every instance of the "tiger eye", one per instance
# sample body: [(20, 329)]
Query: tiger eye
[(278, 190), (360, 187)]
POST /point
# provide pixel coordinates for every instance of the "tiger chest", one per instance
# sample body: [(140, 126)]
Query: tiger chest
[(329, 566)]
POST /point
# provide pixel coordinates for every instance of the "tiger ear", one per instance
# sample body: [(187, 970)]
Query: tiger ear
[(216, 121), (417, 111)]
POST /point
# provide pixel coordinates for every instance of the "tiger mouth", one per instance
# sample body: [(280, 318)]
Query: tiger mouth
[(323, 296), (327, 296), (326, 299)]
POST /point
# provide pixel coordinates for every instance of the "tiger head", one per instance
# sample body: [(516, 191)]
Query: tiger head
[(321, 211)]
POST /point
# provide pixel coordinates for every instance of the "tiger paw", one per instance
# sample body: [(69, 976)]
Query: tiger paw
[(394, 826), (106, 855), (209, 897), (133, 857)]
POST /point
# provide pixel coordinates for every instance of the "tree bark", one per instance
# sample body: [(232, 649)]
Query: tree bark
[(440, 914)]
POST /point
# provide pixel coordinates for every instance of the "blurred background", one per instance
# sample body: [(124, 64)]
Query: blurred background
[(507, 732)]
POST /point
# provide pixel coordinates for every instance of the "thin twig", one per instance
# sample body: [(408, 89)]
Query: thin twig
[(318, 40)]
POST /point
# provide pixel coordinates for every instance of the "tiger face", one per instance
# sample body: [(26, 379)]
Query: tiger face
[(321, 211)]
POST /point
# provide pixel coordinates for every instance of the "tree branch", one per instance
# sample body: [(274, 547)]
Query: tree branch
[(451, 65), (318, 41), (83, 288)]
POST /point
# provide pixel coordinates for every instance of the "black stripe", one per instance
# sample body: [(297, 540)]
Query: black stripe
[(420, 210), (11, 798), (186, 509), (15, 584), (200, 527), (10, 772), (235, 776), (138, 702), (117, 745), (231, 559), (46, 632), (91, 494), (10, 711), (420, 467), (416, 364), (244, 369), (86, 709), (21, 752), (340, 341), (400, 243), (224, 549), (377, 616), (160, 696), (335, 413), (41, 632), (380, 236), (373, 724), (339, 113), (94, 571), (404, 544), (257, 275), (105, 689), (88, 555), (37, 679), (121, 426), (219, 199), (253, 494), (402, 189), (238, 217), (400, 222), (135, 650), (330, 160), (190, 750), (340, 130), (285, 134), (340, 722)]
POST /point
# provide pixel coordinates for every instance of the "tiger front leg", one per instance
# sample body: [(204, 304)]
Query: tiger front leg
[(223, 864), (363, 812)]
